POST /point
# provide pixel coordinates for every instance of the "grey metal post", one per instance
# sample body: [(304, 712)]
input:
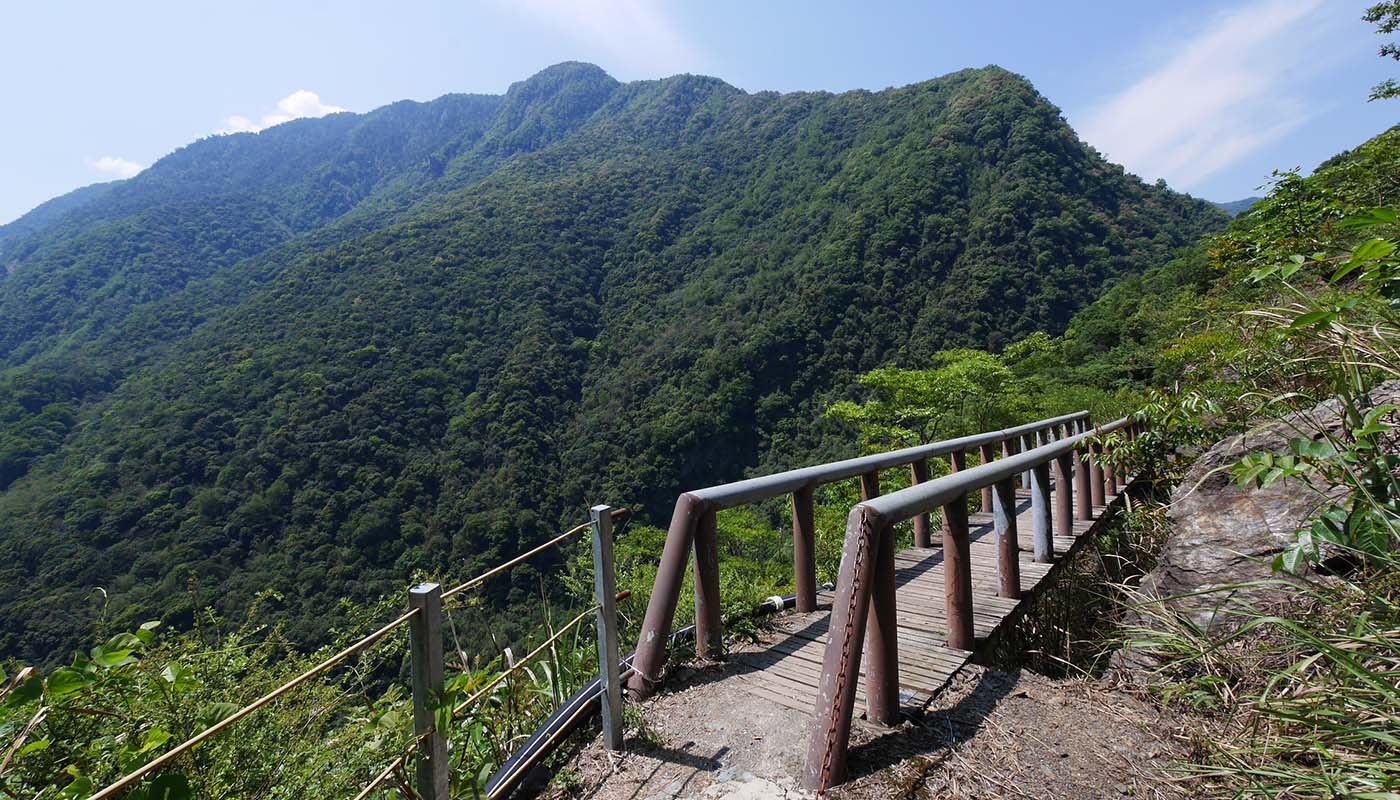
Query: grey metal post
[(425, 642), (1009, 448), (988, 455), (605, 593), (1041, 513), (1027, 443), (1008, 549)]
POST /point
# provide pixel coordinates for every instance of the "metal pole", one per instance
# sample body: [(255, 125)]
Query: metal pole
[(709, 629), (665, 593), (605, 594), (1064, 495), (957, 574), (918, 472), (804, 555), (869, 485), (425, 645), (1083, 508), (1041, 513), (881, 641), (830, 732), (957, 461), (988, 455), (1096, 485), (1027, 443), (1008, 550)]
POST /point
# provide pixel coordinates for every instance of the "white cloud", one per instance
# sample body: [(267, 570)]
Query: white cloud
[(1223, 93), (114, 165), (298, 104), (638, 35)]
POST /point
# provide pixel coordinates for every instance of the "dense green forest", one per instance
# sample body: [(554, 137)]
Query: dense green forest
[(319, 358)]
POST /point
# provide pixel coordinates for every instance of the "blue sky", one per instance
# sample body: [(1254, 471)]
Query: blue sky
[(1211, 96)]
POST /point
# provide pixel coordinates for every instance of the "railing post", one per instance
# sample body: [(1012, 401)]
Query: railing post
[(1008, 549), (709, 629), (605, 594), (957, 574), (1041, 514), (650, 656), (1027, 443), (882, 676), (957, 461), (1009, 448), (870, 485), (988, 455), (1064, 494), (830, 732), (1096, 485), (918, 473), (425, 644), (1083, 507), (804, 556)]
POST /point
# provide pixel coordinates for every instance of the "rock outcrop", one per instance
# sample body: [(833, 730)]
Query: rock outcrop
[(1224, 535)]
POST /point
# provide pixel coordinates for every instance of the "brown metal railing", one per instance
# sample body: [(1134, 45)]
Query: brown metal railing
[(863, 613), (693, 526)]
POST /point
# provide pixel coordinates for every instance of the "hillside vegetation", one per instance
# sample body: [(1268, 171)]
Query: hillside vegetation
[(316, 359)]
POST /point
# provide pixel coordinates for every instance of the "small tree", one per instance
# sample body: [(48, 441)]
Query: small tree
[(1386, 17)]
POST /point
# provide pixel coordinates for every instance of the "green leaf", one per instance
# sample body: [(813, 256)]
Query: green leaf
[(165, 786), (1373, 250), (106, 656), (178, 677), (1370, 218), (214, 713), (26, 692), (1311, 318), (35, 746), (81, 785), (155, 737), (146, 633), (66, 681)]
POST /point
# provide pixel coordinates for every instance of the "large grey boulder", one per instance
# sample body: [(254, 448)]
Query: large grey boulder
[(1223, 534)]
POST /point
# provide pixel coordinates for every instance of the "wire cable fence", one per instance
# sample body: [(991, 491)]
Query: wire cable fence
[(434, 705)]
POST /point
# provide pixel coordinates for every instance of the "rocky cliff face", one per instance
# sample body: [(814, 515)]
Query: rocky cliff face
[(1225, 537)]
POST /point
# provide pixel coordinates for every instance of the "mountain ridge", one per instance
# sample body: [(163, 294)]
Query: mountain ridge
[(584, 290)]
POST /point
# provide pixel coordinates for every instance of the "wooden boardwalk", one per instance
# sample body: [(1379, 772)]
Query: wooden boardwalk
[(784, 667)]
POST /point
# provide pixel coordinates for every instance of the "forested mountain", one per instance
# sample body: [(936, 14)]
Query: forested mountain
[(319, 357), (1236, 207)]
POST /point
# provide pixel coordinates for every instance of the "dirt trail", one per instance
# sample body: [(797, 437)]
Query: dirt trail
[(989, 735)]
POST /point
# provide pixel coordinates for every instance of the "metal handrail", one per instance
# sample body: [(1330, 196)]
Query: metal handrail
[(927, 497), (864, 618), (693, 523), (752, 490)]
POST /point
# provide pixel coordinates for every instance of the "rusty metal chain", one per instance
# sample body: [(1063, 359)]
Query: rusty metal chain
[(834, 723)]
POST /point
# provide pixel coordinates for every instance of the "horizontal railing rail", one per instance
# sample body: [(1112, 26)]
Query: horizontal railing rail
[(863, 614), (693, 526)]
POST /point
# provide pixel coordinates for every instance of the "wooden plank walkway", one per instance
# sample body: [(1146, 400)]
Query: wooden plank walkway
[(784, 666)]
